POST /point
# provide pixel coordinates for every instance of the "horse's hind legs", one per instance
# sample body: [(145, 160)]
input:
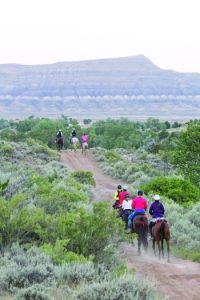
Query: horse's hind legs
[(154, 247), (159, 248), (168, 251), (145, 244), (162, 248), (139, 246)]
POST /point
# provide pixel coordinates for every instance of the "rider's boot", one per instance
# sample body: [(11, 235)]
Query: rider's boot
[(151, 230)]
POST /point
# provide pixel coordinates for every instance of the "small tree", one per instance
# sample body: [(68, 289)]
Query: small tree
[(87, 121), (187, 155), (167, 124)]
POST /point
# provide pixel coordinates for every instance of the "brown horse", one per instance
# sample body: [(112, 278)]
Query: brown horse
[(59, 143), (140, 226), (161, 232)]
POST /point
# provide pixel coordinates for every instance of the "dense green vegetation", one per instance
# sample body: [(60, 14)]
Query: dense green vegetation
[(109, 134), (50, 227), (40, 129), (180, 190), (187, 157)]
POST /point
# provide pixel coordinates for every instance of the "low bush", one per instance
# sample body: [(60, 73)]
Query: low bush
[(20, 270), (6, 148), (124, 287), (73, 274), (184, 227), (34, 292), (89, 233), (60, 200), (84, 177), (59, 254), (180, 190), (112, 156)]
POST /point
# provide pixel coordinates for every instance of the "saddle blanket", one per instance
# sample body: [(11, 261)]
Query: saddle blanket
[(154, 220)]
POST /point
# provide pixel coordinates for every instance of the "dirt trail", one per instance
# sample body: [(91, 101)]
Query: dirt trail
[(177, 280), (105, 186)]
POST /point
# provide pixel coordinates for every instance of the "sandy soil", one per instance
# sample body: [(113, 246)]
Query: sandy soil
[(177, 280)]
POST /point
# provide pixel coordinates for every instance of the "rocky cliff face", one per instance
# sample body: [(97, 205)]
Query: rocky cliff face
[(95, 86)]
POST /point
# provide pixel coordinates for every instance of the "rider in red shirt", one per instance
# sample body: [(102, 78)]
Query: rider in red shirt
[(122, 195)]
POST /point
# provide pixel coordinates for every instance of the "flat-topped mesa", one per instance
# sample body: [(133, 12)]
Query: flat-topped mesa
[(133, 75)]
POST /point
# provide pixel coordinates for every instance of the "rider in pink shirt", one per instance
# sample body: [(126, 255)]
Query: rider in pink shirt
[(84, 138), (139, 202)]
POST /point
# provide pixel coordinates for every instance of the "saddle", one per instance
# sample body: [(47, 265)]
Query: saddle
[(160, 220), (139, 214), (140, 218)]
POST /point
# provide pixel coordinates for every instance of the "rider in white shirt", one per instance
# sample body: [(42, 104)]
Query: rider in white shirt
[(127, 203), (127, 209)]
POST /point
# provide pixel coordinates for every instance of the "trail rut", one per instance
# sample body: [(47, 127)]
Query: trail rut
[(177, 280)]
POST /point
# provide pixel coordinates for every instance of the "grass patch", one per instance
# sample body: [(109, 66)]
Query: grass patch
[(185, 254)]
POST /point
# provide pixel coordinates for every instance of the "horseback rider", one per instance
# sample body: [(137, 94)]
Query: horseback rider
[(59, 139), (157, 211), (139, 204), (59, 134), (84, 138), (126, 209), (73, 134), (122, 195), (116, 196)]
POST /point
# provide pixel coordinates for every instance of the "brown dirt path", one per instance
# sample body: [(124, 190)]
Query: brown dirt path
[(177, 280), (105, 186)]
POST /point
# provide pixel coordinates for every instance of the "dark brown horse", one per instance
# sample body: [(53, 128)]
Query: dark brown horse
[(59, 143), (140, 226), (161, 232)]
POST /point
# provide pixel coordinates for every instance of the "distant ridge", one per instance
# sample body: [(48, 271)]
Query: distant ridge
[(134, 75), (138, 63), (100, 87)]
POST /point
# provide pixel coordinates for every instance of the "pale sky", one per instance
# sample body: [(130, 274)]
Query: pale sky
[(48, 31)]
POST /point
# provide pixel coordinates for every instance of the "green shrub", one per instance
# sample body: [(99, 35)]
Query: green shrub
[(38, 148), (186, 156), (124, 288), (186, 254), (84, 177), (30, 142), (62, 196), (59, 253), (3, 185), (60, 201), (34, 292), (184, 227), (180, 190), (75, 272), (112, 156), (90, 232), (19, 269), (6, 148)]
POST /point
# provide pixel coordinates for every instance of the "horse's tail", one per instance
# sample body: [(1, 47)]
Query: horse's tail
[(162, 230), (142, 230)]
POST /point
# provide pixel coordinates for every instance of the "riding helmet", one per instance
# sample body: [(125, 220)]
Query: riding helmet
[(156, 197)]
